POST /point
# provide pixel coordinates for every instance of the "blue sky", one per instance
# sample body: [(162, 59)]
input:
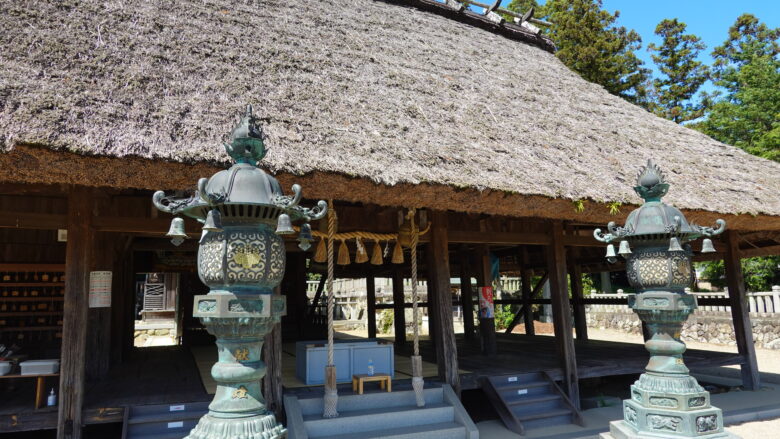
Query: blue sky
[(709, 19)]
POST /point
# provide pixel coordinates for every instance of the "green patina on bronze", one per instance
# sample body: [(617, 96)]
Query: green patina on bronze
[(241, 259), (655, 242)]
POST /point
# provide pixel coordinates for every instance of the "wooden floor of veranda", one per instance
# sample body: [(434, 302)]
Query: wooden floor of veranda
[(168, 375)]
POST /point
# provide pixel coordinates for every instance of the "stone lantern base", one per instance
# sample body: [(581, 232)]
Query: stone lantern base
[(621, 430), (255, 427)]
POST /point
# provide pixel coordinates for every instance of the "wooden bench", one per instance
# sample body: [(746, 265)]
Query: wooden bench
[(40, 385), (359, 379)]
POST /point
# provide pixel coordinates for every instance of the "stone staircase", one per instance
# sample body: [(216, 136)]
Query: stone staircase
[(530, 400), (162, 421), (393, 415)]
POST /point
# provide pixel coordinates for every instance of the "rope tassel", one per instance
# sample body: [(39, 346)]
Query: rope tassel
[(398, 254), (361, 255), (320, 255), (376, 254), (343, 254)]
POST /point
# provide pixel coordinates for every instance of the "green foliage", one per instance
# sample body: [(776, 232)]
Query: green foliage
[(760, 273), (748, 69), (614, 207), (579, 206), (503, 316), (682, 74), (590, 43), (386, 318)]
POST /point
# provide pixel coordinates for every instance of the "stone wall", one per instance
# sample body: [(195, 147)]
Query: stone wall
[(703, 326)]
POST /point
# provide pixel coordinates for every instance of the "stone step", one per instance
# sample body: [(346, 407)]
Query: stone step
[(377, 419), (366, 401), (442, 430), (162, 420), (501, 381)]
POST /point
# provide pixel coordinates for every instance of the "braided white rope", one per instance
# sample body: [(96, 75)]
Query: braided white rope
[(417, 380), (415, 297), (331, 398), (331, 232)]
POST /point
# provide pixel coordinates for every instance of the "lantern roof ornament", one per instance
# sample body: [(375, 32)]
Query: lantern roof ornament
[(243, 192), (655, 220)]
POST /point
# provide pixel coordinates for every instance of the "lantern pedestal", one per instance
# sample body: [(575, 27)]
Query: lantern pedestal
[(666, 402), (240, 324)]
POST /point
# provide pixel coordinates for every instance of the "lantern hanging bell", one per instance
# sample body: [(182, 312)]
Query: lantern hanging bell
[(674, 245), (624, 250), (213, 221), (304, 237), (706, 246), (284, 225), (176, 232), (610, 251)]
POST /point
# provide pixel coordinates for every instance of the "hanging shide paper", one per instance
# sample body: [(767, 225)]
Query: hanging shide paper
[(376, 255)]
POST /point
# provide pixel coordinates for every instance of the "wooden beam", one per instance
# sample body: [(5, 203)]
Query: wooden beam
[(74, 321), (487, 326), (28, 220), (371, 304), (446, 350), (466, 293), (399, 317), (743, 330), (556, 262), (526, 302), (517, 238)]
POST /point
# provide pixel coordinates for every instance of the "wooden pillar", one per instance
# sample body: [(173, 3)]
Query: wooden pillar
[(487, 327), (272, 356), (399, 315), (525, 281), (580, 320), (371, 304), (122, 297), (444, 341), (296, 296), (78, 260), (556, 265), (743, 330), (98, 345), (431, 297), (466, 293)]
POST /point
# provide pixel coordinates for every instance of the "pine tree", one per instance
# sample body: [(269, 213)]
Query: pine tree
[(682, 74), (747, 68), (589, 43)]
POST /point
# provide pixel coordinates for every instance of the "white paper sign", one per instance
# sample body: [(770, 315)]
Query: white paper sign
[(522, 391), (177, 424), (100, 289), (177, 408), (512, 379)]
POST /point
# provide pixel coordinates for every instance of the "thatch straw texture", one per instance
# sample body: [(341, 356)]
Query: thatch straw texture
[(362, 88)]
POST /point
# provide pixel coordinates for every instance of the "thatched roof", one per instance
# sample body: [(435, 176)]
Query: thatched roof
[(373, 90)]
